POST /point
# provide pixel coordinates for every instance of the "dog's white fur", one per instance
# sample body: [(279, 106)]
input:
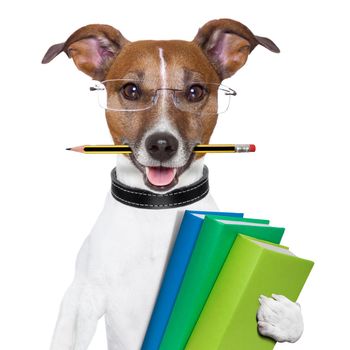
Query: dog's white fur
[(162, 68), (119, 270)]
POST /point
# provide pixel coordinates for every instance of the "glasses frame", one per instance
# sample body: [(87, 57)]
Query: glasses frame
[(155, 93)]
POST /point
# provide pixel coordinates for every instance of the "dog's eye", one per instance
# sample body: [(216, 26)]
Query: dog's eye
[(131, 92), (195, 93)]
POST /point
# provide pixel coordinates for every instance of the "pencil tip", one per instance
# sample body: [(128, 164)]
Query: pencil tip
[(68, 149)]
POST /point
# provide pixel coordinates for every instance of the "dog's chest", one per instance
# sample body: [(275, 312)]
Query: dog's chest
[(129, 250), (129, 240)]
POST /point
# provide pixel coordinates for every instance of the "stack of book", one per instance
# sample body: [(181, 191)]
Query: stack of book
[(219, 266)]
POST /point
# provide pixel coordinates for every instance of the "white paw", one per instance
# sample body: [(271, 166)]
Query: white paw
[(280, 319)]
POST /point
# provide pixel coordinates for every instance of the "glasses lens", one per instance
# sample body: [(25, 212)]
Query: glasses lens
[(124, 95), (203, 98)]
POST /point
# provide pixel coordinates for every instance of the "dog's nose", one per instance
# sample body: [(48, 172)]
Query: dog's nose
[(161, 146)]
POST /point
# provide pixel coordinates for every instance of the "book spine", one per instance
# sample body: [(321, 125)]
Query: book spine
[(208, 256), (225, 296), (173, 276)]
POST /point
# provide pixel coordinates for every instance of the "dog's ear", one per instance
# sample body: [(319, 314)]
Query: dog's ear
[(228, 43), (93, 49)]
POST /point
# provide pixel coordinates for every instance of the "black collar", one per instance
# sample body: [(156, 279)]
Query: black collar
[(149, 200)]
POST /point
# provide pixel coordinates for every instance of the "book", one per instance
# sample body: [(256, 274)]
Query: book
[(252, 268), (175, 270), (212, 246)]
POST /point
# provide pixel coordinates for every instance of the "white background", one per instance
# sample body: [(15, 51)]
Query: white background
[(293, 106)]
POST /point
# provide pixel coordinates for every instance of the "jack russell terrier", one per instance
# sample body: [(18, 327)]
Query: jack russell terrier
[(161, 100)]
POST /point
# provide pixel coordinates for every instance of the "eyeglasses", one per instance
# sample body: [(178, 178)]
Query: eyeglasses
[(138, 95)]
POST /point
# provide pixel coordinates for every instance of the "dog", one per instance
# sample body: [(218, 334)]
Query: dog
[(162, 100)]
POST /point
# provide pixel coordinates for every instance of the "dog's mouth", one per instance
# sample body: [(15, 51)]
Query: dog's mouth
[(161, 178)]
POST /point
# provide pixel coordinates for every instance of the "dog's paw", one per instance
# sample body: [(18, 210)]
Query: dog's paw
[(280, 319)]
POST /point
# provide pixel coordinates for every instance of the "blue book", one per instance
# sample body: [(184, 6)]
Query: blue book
[(180, 256)]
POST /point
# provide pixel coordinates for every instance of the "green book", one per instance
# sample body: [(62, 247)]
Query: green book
[(213, 244), (228, 320)]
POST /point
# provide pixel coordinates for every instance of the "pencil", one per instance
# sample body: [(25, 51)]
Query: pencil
[(125, 149)]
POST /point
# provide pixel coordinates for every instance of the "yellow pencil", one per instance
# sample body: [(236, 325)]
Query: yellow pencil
[(125, 149)]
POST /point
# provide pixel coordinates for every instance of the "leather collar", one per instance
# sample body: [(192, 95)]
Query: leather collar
[(149, 200)]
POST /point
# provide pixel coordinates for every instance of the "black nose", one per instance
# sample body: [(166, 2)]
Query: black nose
[(161, 146)]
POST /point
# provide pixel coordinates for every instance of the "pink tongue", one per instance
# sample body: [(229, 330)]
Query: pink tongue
[(160, 176)]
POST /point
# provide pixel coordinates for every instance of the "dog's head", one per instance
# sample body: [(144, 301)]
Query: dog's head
[(162, 96)]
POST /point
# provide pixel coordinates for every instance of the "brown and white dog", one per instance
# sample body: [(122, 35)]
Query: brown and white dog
[(161, 102)]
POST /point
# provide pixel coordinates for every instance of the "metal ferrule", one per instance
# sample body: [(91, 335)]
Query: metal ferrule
[(242, 148)]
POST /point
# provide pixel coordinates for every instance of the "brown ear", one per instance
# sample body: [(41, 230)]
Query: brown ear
[(228, 43), (93, 49)]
